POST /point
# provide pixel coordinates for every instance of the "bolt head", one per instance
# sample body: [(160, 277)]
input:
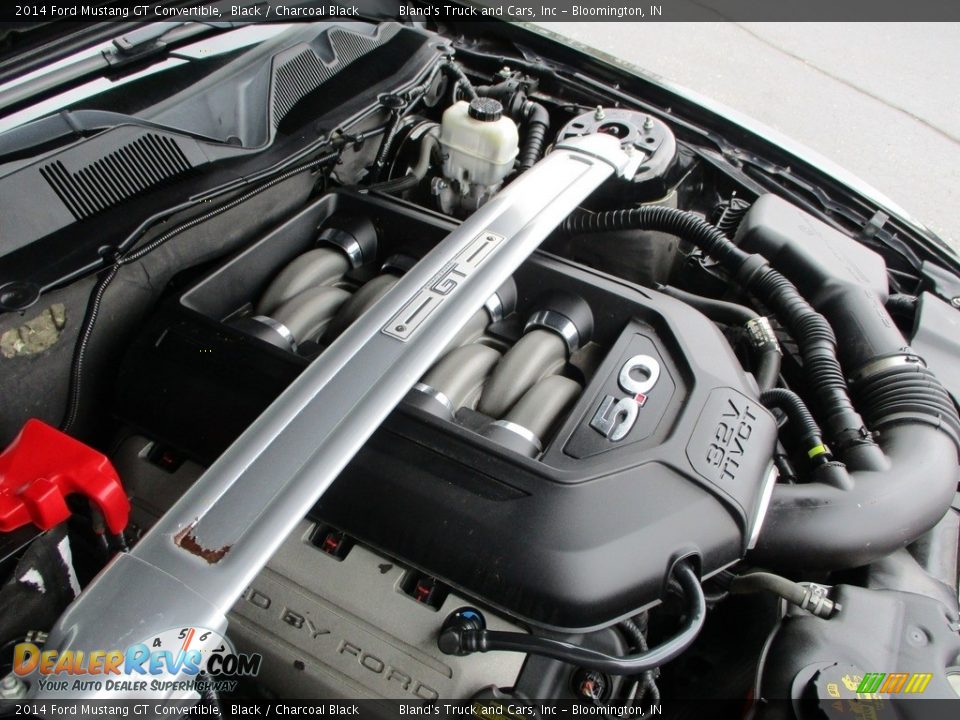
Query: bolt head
[(12, 688), (955, 302)]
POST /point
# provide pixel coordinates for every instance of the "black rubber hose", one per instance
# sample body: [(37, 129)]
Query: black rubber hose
[(428, 143), (461, 79), (803, 596), (399, 106), (386, 145), (879, 508), (818, 348), (767, 358), (683, 224), (634, 635), (536, 125), (533, 115), (720, 311), (467, 641), (767, 582), (902, 303), (894, 493), (814, 525), (908, 393), (767, 371), (800, 417), (815, 337)]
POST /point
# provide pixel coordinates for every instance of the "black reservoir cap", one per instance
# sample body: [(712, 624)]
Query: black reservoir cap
[(485, 109)]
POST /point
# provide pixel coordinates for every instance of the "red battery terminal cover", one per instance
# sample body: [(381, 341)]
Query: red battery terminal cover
[(42, 466)]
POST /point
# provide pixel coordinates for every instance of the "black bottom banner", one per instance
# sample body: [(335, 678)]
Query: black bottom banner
[(490, 708)]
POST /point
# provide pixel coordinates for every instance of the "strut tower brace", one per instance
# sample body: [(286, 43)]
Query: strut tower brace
[(195, 562)]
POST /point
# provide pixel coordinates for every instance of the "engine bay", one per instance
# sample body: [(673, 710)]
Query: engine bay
[(494, 390)]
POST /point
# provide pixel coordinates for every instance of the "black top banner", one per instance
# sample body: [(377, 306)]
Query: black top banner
[(480, 10)]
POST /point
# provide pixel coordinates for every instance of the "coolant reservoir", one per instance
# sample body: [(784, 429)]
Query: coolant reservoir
[(479, 142)]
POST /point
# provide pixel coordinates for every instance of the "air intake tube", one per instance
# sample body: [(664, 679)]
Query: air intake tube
[(561, 324), (883, 496)]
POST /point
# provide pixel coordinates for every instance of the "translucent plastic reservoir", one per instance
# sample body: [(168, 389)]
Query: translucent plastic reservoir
[(480, 143)]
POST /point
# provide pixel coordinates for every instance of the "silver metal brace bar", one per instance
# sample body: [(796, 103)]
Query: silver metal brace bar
[(200, 556)]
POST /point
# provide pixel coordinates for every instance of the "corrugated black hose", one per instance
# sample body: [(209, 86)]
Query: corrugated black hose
[(638, 640), (536, 125), (535, 117), (885, 495), (815, 337)]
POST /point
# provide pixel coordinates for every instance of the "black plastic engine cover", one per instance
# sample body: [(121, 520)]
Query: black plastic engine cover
[(575, 540)]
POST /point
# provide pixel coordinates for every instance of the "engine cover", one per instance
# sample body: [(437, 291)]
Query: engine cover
[(588, 533), (665, 454)]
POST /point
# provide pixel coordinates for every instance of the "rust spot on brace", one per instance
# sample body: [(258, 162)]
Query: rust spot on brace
[(186, 540)]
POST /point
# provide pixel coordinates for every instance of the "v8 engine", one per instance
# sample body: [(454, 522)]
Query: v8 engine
[(576, 416), (496, 386)]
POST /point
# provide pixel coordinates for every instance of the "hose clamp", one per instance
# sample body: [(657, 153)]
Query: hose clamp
[(521, 431), (560, 324), (761, 334), (887, 362), (816, 600), (279, 328), (434, 394), (344, 241), (751, 269), (398, 264), (494, 308)]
